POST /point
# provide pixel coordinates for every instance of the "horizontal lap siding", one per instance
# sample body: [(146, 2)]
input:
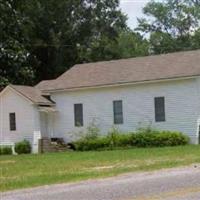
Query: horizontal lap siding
[(181, 107), (12, 102)]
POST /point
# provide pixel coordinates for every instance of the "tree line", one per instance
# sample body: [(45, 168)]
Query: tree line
[(40, 39)]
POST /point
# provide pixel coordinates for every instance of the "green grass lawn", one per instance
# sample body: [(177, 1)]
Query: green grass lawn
[(33, 170)]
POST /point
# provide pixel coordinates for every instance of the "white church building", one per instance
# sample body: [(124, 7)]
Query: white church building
[(162, 91)]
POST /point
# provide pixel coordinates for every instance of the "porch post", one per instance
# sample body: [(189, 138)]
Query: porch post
[(36, 131)]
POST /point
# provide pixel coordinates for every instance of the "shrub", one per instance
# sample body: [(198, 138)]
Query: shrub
[(95, 144), (23, 147), (92, 132), (145, 137), (5, 150), (114, 139), (119, 139), (154, 138)]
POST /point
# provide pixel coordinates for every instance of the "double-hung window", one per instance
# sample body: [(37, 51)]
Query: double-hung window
[(78, 114), (159, 109), (118, 112), (12, 119)]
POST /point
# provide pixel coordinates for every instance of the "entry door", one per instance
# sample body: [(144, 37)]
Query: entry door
[(44, 124)]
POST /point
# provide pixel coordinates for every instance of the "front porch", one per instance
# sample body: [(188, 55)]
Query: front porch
[(47, 118), (46, 139)]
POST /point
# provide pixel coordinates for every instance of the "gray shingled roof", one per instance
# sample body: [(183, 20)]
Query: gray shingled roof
[(166, 66), (33, 94)]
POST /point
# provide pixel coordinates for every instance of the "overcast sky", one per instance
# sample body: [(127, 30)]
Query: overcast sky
[(133, 8)]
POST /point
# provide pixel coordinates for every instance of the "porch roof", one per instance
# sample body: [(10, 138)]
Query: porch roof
[(47, 109)]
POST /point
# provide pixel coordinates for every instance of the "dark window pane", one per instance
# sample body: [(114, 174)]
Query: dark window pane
[(78, 114), (118, 112), (160, 109), (12, 121)]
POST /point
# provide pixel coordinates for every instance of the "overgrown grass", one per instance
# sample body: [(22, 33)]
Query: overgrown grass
[(33, 170)]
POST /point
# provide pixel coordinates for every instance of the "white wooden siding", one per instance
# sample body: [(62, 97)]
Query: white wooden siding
[(182, 107), (26, 118)]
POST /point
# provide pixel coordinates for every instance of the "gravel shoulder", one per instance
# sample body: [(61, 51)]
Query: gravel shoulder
[(170, 184)]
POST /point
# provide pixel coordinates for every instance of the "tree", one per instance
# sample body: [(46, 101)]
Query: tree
[(195, 40), (61, 28), (41, 39), (171, 24), (127, 44), (131, 44), (14, 56)]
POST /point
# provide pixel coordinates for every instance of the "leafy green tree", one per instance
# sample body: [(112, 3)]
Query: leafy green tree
[(171, 24), (127, 44), (195, 40), (41, 39), (14, 66), (61, 28), (131, 44)]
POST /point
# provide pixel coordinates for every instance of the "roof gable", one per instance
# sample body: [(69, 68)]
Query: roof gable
[(29, 93)]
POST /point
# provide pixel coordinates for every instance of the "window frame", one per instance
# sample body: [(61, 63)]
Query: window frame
[(78, 120), (118, 117), (160, 112), (12, 121)]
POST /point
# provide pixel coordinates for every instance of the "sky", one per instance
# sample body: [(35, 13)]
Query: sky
[(133, 9)]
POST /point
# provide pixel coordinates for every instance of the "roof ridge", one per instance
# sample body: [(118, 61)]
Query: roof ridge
[(130, 58), (154, 67)]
